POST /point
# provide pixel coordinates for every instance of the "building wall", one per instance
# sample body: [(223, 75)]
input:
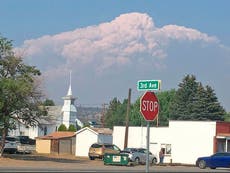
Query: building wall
[(222, 127), (84, 140), (50, 128), (137, 138), (65, 146), (105, 138), (73, 141), (43, 146), (21, 129), (32, 132), (188, 139), (191, 139)]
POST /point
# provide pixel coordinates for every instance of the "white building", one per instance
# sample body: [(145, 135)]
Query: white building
[(183, 141), (57, 115), (87, 136)]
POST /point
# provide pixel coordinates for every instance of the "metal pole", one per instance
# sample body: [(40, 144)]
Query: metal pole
[(147, 144)]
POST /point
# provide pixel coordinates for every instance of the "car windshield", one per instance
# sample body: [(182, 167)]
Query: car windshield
[(143, 150), (11, 139), (130, 150)]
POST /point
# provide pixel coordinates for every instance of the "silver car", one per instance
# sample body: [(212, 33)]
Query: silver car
[(138, 155), (11, 144)]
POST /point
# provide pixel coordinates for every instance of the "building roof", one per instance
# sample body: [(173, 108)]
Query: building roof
[(58, 135), (104, 131)]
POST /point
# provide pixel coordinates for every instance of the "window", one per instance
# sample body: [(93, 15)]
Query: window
[(116, 148), (96, 146), (166, 149), (45, 130)]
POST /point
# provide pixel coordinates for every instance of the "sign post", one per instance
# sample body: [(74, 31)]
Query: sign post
[(149, 108)]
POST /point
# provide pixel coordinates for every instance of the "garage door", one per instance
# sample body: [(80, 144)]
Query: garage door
[(65, 146)]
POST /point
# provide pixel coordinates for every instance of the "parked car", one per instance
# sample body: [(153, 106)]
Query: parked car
[(138, 155), (220, 159), (26, 140), (26, 144), (98, 150), (11, 144)]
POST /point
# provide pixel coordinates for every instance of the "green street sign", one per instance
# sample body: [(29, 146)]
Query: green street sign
[(143, 85)]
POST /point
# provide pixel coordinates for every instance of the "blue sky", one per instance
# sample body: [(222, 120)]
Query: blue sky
[(110, 45)]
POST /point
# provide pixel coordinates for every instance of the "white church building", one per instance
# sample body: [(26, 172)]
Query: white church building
[(57, 115)]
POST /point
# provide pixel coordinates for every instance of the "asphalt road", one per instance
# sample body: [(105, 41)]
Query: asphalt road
[(46, 163)]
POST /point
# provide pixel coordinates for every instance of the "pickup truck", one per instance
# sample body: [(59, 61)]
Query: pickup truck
[(26, 144), (25, 148)]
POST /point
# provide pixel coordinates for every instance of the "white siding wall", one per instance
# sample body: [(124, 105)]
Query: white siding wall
[(191, 140), (32, 132), (84, 140), (118, 136), (158, 136), (188, 139), (137, 138)]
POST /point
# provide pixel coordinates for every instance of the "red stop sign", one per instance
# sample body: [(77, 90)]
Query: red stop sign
[(149, 106)]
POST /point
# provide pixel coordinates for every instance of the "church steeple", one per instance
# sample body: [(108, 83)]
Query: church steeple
[(69, 110), (70, 90)]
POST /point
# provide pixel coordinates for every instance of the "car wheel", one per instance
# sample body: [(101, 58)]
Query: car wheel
[(202, 164), (154, 161), (137, 160), (91, 158)]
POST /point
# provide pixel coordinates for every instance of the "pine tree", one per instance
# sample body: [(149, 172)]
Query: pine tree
[(194, 102), (182, 103), (214, 109)]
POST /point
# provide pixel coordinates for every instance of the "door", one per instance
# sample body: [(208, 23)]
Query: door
[(65, 146)]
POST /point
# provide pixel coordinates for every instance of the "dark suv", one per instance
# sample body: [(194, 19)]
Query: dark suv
[(98, 150)]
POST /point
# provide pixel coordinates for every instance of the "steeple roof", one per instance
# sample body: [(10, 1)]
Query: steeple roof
[(69, 95), (69, 91)]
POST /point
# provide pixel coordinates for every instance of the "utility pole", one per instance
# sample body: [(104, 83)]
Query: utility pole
[(103, 116), (127, 120)]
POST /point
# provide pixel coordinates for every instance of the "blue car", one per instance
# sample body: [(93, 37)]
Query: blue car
[(216, 160)]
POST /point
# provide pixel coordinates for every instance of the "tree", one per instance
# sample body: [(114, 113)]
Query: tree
[(165, 99), (214, 109), (62, 127), (180, 108), (227, 117), (115, 115), (48, 102), (192, 101), (20, 95), (116, 112), (72, 128), (135, 117)]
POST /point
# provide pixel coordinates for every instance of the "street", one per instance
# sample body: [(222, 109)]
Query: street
[(43, 163)]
